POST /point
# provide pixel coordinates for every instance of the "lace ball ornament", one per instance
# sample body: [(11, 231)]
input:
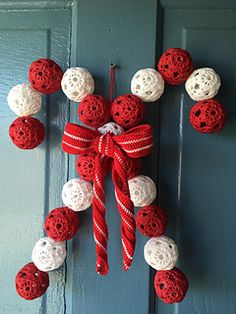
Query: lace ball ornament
[(207, 116), (85, 166), (61, 224), (151, 221), (111, 127), (171, 286), (147, 84), (48, 254), (77, 194), (134, 166), (23, 100), (45, 76), (26, 132), (175, 65), (161, 253), (31, 283), (128, 110), (203, 84), (77, 83), (94, 111), (142, 190)]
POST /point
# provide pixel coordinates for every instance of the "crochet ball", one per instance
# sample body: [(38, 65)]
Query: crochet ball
[(77, 194), (45, 76), (151, 221), (61, 224), (94, 111), (85, 166), (203, 84), (127, 110), (26, 132), (171, 285), (147, 84), (175, 66), (142, 190), (207, 116), (23, 100), (133, 167), (31, 283), (48, 254), (77, 83), (111, 127), (161, 253)]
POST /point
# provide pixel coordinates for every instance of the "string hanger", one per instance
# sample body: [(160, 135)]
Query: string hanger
[(112, 80)]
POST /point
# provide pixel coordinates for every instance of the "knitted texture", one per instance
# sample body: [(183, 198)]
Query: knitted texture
[(111, 127), (175, 66), (26, 132), (142, 190), (31, 283), (61, 224), (85, 166), (133, 167), (48, 254), (94, 111), (203, 84), (45, 76), (147, 84), (207, 116), (128, 110), (151, 221), (171, 285), (77, 83), (23, 100), (161, 253)]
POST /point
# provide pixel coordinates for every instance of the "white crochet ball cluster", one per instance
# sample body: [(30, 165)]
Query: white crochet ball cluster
[(77, 194), (147, 84), (23, 100), (111, 127), (203, 84), (48, 254), (77, 83), (142, 190), (161, 253)]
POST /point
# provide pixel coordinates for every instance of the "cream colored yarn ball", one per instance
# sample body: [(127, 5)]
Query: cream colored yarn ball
[(142, 190), (77, 83), (23, 100), (48, 254), (111, 127), (161, 253), (77, 194), (147, 84), (203, 84)]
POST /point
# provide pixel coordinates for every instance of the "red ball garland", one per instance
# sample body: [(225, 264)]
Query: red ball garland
[(31, 283), (26, 132), (133, 167), (171, 285), (151, 221), (207, 116), (61, 224), (45, 76), (175, 66), (85, 166), (128, 110), (94, 111)]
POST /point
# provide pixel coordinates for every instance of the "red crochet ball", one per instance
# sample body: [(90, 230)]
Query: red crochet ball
[(175, 66), (26, 132), (61, 224), (151, 221), (133, 167), (171, 285), (45, 76), (127, 110), (207, 116), (94, 111), (85, 166), (31, 282)]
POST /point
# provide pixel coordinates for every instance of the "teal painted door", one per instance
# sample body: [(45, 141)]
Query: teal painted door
[(195, 173)]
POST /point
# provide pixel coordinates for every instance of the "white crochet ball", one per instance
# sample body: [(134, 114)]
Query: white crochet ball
[(24, 100), (147, 84), (48, 254), (203, 84), (77, 194), (142, 190), (111, 127), (77, 83), (161, 253)]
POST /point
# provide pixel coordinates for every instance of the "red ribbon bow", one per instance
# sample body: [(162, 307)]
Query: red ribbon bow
[(134, 143)]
